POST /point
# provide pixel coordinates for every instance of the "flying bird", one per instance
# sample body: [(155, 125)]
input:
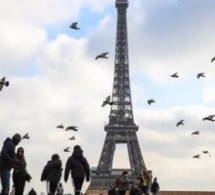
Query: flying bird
[(60, 126), (212, 59), (205, 152), (66, 149), (26, 136), (175, 75), (72, 138), (102, 55), (180, 123), (107, 101), (201, 74), (151, 101), (74, 128), (3, 82), (196, 156), (195, 133), (209, 118), (74, 26)]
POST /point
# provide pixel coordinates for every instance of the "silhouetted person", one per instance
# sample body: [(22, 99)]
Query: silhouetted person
[(7, 160), (59, 189), (123, 183), (79, 168), (32, 192), (52, 173), (20, 174), (155, 187)]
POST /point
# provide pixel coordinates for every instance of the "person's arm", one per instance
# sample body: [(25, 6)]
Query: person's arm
[(45, 172), (67, 169), (87, 169)]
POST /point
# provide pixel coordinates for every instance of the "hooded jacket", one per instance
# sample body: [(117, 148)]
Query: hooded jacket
[(8, 154), (53, 170), (78, 165)]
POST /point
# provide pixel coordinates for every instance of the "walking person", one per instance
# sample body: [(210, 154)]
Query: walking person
[(20, 174), (52, 174), (7, 160), (155, 187), (32, 192), (123, 183), (59, 189), (79, 167)]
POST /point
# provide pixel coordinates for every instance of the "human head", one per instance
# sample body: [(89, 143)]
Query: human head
[(125, 172), (16, 138), (55, 157), (77, 147), (155, 179), (20, 151)]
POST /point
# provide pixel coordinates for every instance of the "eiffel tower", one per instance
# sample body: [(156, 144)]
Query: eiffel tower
[(121, 128)]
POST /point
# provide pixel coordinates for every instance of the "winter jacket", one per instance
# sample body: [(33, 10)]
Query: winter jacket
[(123, 183), (52, 171), (155, 187), (20, 169), (78, 166), (7, 157)]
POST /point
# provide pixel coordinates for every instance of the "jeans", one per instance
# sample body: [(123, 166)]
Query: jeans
[(5, 182)]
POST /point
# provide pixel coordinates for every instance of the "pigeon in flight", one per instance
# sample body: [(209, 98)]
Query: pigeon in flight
[(107, 101), (102, 55), (195, 133), (175, 75), (209, 118), (205, 152), (66, 149), (3, 82), (196, 156), (201, 74), (74, 26), (60, 126), (74, 128), (26, 136), (151, 101), (180, 123), (212, 59), (72, 138)]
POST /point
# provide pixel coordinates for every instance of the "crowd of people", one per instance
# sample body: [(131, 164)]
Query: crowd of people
[(12, 159), (76, 165), (144, 187)]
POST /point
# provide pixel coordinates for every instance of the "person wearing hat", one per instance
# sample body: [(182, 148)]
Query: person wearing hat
[(7, 161), (78, 165), (52, 174)]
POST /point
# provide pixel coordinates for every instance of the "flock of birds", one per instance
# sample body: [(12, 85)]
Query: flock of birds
[(74, 128), (181, 122), (107, 101)]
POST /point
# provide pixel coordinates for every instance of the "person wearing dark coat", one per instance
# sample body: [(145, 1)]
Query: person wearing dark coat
[(7, 160), (20, 174), (32, 192), (78, 165), (155, 187), (52, 174)]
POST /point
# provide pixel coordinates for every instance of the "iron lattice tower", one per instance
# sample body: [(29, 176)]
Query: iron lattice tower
[(121, 128)]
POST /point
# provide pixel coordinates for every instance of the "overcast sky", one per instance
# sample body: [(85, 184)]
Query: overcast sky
[(54, 79)]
